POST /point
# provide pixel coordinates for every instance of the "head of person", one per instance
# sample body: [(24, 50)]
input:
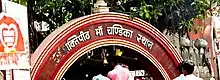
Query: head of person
[(180, 67), (188, 67)]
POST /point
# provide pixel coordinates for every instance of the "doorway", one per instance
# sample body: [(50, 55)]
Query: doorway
[(103, 59)]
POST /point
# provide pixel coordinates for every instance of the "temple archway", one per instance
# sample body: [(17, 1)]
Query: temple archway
[(68, 43)]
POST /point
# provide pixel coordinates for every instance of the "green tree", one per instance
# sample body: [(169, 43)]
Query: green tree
[(22, 2), (174, 15), (55, 13)]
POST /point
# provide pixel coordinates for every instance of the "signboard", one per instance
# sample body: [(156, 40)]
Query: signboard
[(217, 46), (217, 32), (214, 43), (106, 29), (21, 74), (136, 73), (14, 44), (217, 26)]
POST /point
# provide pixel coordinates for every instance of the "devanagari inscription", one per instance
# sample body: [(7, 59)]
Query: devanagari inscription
[(75, 40), (143, 40), (117, 29), (98, 31)]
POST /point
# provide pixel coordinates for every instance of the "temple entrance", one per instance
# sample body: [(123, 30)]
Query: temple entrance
[(103, 59), (66, 50)]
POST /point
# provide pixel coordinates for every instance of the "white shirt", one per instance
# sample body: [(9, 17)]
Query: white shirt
[(212, 78), (192, 77), (187, 77), (181, 77), (100, 77)]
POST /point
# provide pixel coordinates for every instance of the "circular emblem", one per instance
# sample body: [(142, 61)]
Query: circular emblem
[(8, 36)]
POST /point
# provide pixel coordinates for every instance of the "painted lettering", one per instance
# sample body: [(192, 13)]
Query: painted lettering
[(98, 31), (144, 41), (75, 40), (117, 29)]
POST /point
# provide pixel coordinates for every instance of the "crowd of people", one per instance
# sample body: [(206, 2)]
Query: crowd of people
[(121, 72)]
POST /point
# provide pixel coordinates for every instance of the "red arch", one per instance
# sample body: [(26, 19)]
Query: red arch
[(46, 66)]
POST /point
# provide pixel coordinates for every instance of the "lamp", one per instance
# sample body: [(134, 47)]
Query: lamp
[(200, 44), (118, 52), (104, 56), (185, 43)]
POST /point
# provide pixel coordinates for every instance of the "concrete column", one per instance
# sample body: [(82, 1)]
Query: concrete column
[(100, 6)]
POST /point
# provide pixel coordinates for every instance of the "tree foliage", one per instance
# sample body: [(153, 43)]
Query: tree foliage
[(174, 15), (22, 2), (55, 13), (58, 12)]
